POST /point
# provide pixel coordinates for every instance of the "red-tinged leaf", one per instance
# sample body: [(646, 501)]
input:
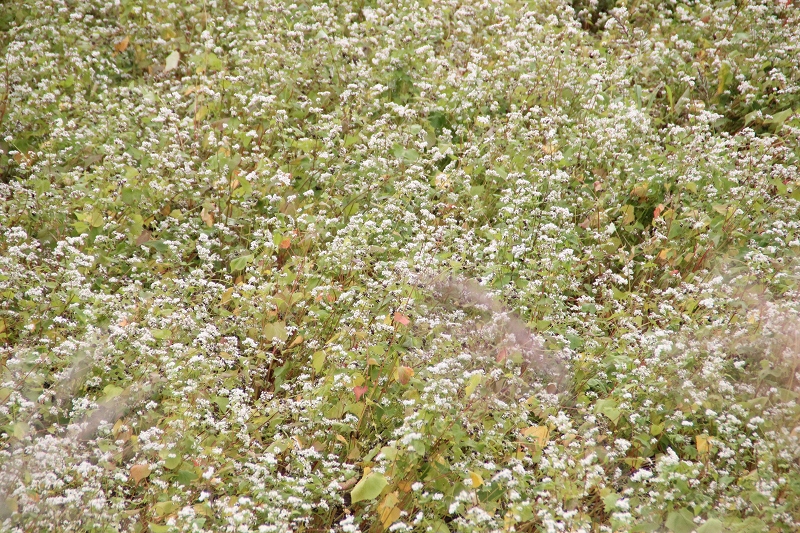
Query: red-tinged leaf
[(359, 391), (658, 210), (401, 319), (501, 355), (285, 243), (404, 374)]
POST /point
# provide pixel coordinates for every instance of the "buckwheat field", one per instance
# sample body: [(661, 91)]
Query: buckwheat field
[(428, 266)]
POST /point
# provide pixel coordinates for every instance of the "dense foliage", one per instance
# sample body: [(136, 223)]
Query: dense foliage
[(430, 265)]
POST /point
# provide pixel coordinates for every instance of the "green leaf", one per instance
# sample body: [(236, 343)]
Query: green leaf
[(112, 391), (712, 525), (20, 430), (158, 246), (724, 78), (161, 334), (610, 501), (779, 118), (608, 408), (680, 521), (277, 330), (185, 477), (350, 209), (172, 460), (368, 488), (474, 381), (129, 195), (165, 508), (756, 498), (241, 262), (318, 360)]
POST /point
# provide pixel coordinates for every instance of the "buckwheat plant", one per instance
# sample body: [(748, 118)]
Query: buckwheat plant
[(423, 265)]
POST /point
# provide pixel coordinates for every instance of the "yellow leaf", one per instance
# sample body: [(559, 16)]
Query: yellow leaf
[(226, 296), (540, 433), (389, 515), (549, 149), (207, 217), (476, 478), (203, 509), (297, 340), (703, 443), (388, 510), (139, 472)]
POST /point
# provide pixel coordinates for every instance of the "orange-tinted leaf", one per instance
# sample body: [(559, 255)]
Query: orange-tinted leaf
[(404, 374), (359, 391), (285, 243), (539, 433), (658, 210), (401, 319), (123, 44), (501, 355), (139, 472)]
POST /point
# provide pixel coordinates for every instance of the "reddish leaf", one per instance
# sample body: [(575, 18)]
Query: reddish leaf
[(401, 318), (359, 391), (404, 374), (285, 243), (658, 210)]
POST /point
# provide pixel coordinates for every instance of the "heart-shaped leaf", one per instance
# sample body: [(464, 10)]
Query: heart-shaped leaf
[(368, 488), (139, 472)]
